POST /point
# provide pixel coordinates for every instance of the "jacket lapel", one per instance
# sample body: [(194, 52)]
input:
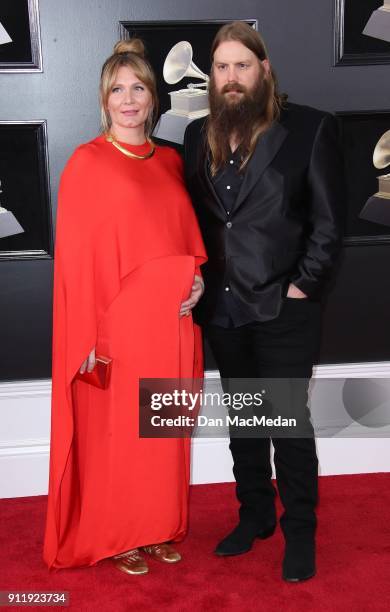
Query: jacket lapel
[(210, 198), (218, 207), (266, 149)]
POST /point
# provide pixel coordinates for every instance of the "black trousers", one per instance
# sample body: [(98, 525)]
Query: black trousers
[(285, 347)]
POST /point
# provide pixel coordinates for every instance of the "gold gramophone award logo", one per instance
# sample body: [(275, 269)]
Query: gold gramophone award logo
[(381, 159), (377, 207)]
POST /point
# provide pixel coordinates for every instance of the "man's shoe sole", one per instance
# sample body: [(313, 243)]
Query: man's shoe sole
[(299, 579)]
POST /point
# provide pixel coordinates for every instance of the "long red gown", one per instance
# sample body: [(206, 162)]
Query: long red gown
[(127, 248)]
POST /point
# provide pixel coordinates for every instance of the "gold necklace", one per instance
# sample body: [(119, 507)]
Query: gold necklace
[(116, 144)]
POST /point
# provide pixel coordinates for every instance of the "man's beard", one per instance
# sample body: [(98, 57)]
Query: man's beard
[(238, 117)]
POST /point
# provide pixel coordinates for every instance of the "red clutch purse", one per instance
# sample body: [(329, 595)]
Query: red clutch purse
[(100, 375)]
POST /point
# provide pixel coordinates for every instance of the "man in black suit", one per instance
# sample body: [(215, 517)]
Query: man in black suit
[(266, 181)]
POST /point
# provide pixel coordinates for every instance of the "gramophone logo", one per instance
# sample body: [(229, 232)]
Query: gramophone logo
[(186, 104), (378, 26), (9, 226), (381, 159), (377, 208), (4, 36)]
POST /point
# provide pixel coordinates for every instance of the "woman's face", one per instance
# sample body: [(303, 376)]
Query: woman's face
[(129, 101)]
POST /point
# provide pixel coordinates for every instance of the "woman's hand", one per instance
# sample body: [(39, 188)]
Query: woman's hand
[(197, 290), (89, 363)]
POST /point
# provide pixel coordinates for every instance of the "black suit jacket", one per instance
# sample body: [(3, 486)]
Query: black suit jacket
[(286, 224)]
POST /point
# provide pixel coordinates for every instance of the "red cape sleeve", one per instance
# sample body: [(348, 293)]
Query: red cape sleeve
[(86, 280)]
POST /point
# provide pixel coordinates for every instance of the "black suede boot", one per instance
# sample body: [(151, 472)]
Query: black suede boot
[(299, 560), (241, 539)]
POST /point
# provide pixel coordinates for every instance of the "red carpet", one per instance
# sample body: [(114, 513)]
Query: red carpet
[(353, 559)]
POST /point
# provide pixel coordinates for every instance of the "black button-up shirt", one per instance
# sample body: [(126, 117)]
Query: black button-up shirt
[(227, 183)]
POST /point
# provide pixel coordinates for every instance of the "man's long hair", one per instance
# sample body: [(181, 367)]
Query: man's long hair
[(269, 101)]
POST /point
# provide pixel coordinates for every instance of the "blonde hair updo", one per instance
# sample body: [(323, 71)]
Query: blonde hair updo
[(130, 53)]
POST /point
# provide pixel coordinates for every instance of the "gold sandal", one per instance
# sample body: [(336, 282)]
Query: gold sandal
[(163, 552), (131, 562)]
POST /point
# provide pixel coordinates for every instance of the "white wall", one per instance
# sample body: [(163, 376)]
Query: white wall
[(345, 446)]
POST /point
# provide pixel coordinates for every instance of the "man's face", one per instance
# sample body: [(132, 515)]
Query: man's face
[(236, 70)]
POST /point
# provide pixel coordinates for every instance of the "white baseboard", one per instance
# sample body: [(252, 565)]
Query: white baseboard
[(25, 419)]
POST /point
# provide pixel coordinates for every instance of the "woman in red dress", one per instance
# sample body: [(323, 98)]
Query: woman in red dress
[(128, 251)]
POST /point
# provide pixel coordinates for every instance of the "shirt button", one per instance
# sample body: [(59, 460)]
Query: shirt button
[(227, 186), (229, 224), (227, 288)]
